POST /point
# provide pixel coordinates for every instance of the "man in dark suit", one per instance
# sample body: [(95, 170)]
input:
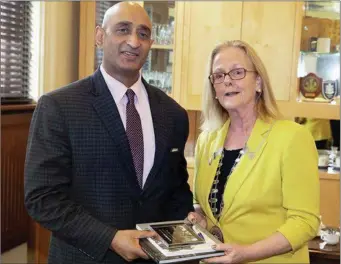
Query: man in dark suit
[(107, 152)]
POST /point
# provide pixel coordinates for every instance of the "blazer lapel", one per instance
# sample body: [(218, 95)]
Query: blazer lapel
[(163, 126), (214, 155), (106, 108), (255, 147)]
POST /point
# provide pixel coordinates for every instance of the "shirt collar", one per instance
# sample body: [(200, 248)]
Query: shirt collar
[(118, 89)]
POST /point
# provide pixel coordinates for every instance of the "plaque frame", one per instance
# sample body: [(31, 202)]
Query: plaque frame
[(310, 85)]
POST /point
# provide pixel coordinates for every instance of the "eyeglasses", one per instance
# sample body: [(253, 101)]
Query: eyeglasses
[(235, 74)]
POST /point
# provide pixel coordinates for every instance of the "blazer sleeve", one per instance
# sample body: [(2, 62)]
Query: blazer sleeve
[(180, 203), (197, 159), (48, 175), (300, 189)]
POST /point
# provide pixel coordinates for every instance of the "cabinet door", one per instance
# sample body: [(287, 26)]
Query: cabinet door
[(205, 24), (269, 28), (160, 64)]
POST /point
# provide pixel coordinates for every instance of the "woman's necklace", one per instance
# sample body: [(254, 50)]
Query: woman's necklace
[(213, 200)]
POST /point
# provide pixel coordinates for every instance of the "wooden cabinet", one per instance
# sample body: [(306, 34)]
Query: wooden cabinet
[(258, 23), (330, 198), (202, 31), (269, 27), (15, 123)]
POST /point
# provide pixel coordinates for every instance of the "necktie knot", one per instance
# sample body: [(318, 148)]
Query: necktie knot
[(130, 94)]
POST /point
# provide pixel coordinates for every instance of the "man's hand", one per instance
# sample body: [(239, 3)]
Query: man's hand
[(126, 243)]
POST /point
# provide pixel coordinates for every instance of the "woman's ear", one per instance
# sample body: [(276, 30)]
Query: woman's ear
[(258, 84)]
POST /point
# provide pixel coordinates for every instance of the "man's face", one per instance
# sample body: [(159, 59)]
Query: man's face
[(125, 39)]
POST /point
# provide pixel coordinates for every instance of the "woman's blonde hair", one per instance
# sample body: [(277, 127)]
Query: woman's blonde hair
[(213, 114)]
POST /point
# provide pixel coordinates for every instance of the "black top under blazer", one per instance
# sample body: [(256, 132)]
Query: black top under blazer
[(80, 181)]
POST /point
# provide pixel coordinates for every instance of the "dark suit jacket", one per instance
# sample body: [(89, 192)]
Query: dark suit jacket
[(80, 181)]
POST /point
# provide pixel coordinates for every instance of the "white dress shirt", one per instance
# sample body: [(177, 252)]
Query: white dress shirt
[(118, 91)]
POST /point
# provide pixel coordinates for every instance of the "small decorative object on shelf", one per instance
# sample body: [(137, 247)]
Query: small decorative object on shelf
[(310, 85), (329, 89), (320, 53), (329, 160), (319, 77)]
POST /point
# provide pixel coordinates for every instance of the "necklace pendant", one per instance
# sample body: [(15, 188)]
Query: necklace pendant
[(214, 210), (214, 190)]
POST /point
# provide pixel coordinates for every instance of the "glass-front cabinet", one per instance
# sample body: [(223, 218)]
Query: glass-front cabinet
[(319, 61), (159, 65), (158, 68)]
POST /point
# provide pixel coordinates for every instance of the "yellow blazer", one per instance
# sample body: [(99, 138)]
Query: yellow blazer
[(275, 187)]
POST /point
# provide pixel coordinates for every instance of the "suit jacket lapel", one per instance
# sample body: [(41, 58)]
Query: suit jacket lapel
[(106, 108), (163, 126), (255, 147)]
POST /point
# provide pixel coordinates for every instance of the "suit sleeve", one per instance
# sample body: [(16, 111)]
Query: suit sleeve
[(48, 176), (180, 203), (300, 189)]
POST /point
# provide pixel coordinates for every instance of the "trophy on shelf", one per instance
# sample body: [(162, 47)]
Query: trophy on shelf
[(329, 89), (310, 85)]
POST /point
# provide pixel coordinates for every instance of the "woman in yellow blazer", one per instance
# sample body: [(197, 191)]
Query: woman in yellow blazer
[(256, 176)]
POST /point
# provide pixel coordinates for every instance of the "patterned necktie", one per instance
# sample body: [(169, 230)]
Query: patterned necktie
[(135, 135)]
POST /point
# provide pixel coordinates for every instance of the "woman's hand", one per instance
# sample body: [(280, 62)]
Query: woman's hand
[(197, 218), (233, 254)]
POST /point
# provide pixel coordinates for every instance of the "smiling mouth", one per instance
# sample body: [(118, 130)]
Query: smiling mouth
[(231, 93), (130, 54)]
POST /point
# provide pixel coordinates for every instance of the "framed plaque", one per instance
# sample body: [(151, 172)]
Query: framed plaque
[(329, 89), (178, 241), (177, 234), (310, 85)]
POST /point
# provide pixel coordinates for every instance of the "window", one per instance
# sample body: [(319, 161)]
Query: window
[(15, 36)]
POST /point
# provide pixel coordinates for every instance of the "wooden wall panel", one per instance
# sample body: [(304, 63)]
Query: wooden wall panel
[(14, 218), (330, 199)]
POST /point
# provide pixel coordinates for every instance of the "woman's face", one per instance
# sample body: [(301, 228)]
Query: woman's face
[(234, 92)]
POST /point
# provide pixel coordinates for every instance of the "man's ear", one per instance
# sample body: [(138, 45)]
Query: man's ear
[(99, 36)]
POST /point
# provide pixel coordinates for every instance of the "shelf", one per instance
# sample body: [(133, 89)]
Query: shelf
[(320, 53), (17, 107), (326, 175), (162, 47), (310, 109)]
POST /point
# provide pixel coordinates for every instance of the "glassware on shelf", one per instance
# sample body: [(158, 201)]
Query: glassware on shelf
[(162, 80), (162, 34), (162, 17), (329, 160), (158, 69)]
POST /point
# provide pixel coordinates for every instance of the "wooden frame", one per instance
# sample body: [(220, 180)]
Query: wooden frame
[(87, 38)]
